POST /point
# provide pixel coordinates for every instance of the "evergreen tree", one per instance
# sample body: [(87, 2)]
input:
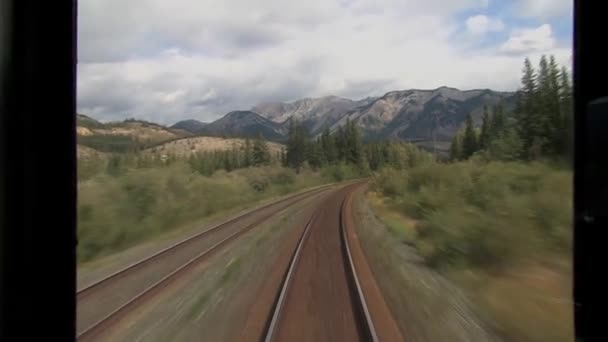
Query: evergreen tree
[(329, 146), (341, 143), (507, 146), (260, 153), (469, 141), (484, 136), (394, 157), (567, 124), (528, 127), (497, 122), (545, 109), (315, 155), (248, 153), (296, 146), (456, 147), (376, 156), (354, 149), (227, 161), (237, 160), (385, 150), (383, 153)]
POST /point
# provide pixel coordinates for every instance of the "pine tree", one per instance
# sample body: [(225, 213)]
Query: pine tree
[(322, 153), (507, 146), (566, 109), (497, 122), (375, 156), (227, 161), (247, 158), (527, 127), (469, 141), (234, 158), (341, 144), (329, 146), (484, 136), (296, 145), (456, 147), (354, 148), (260, 152), (380, 156), (543, 131), (315, 155)]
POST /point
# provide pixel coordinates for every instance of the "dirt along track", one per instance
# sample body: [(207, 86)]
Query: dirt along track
[(328, 292), (107, 301)]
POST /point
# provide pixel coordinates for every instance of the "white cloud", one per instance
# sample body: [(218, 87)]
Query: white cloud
[(545, 8), (481, 24), (169, 60), (530, 40)]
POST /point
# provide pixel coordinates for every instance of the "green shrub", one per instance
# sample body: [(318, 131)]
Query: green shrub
[(340, 172), (483, 215), (391, 182), (284, 177), (120, 210)]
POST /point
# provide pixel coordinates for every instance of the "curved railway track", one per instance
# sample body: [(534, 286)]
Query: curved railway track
[(323, 296), (106, 301)]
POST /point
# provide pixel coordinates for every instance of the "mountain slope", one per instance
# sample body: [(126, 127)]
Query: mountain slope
[(414, 115), (193, 145), (244, 124), (423, 115), (192, 126), (87, 122), (122, 136), (315, 114)]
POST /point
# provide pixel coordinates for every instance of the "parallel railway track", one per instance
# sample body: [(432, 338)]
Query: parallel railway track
[(158, 270)]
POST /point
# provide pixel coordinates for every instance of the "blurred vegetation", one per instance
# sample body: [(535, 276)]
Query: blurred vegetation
[(502, 230), (125, 199), (486, 215)]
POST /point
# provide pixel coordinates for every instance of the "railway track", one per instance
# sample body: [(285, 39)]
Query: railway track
[(328, 292), (108, 300), (321, 297)]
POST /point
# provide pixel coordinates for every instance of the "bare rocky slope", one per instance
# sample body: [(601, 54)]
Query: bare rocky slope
[(419, 116)]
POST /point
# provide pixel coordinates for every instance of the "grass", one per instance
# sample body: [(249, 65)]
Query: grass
[(399, 225), (500, 230), (133, 205)]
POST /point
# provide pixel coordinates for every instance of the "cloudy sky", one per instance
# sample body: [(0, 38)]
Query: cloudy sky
[(170, 60)]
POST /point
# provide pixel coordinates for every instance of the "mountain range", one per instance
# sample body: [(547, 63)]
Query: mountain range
[(425, 117), (428, 118)]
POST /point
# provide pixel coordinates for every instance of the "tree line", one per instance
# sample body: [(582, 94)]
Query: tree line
[(345, 146), (254, 153), (540, 126)]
